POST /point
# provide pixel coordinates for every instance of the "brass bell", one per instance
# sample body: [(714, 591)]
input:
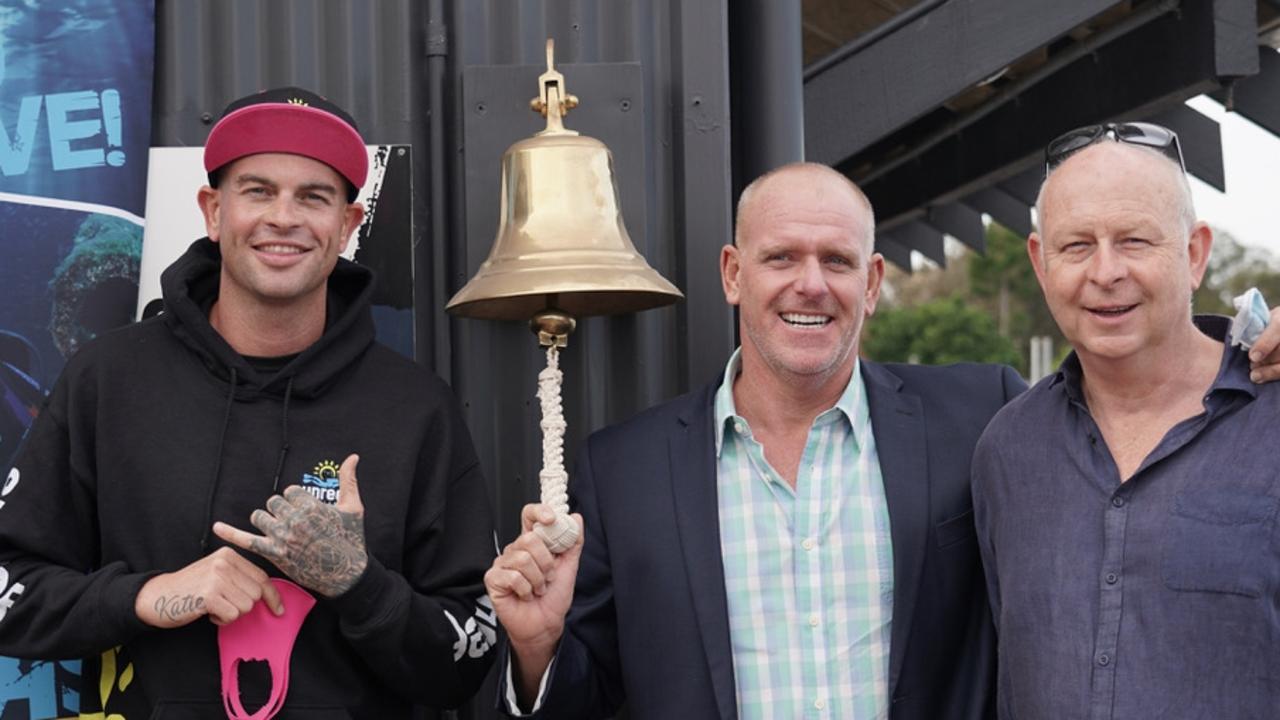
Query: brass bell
[(561, 252), (561, 243)]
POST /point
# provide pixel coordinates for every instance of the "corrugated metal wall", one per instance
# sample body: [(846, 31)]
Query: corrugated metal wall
[(399, 67)]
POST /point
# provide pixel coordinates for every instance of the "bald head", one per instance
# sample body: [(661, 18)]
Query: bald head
[(1113, 163), (784, 186)]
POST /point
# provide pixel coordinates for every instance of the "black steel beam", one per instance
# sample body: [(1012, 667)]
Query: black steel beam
[(1003, 208), (1025, 186), (1201, 140), (886, 85), (961, 222), (1125, 79), (922, 238), (767, 63), (1257, 97), (894, 251)]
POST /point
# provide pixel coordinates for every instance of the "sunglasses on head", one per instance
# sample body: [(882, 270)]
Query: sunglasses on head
[(1149, 135)]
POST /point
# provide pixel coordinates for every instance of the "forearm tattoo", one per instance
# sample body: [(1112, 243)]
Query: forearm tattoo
[(318, 545), (179, 607)]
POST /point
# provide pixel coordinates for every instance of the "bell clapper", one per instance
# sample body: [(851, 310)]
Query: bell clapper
[(553, 328)]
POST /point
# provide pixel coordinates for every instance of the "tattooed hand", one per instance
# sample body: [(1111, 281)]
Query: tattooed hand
[(320, 547)]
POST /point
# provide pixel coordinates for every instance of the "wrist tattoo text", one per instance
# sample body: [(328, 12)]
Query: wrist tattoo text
[(179, 607)]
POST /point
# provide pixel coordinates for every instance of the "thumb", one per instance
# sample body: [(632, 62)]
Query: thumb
[(575, 552), (348, 489)]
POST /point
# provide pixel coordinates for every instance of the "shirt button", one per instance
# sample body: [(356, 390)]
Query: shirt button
[(813, 620), (819, 704), (1117, 501), (1112, 578), (808, 544), (739, 426), (1104, 660)]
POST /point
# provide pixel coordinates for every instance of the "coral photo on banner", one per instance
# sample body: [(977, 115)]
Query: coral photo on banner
[(75, 126)]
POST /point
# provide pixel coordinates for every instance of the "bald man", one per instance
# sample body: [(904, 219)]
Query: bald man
[(1126, 504), (794, 539)]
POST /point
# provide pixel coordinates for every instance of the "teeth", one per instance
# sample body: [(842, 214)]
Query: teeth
[(799, 319), (1113, 310), (280, 249)]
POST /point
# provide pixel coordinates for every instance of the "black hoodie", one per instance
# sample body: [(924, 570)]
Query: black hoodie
[(158, 429)]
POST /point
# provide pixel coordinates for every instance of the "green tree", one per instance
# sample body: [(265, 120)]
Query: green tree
[(1234, 268), (1002, 280), (940, 331)]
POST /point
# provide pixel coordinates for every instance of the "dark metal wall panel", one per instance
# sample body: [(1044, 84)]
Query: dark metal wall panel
[(677, 213)]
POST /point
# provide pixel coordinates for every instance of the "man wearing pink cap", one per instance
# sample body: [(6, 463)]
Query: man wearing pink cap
[(187, 500)]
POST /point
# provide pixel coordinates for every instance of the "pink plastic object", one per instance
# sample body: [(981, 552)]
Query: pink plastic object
[(260, 635)]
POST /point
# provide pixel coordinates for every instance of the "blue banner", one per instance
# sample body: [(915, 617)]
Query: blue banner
[(75, 127)]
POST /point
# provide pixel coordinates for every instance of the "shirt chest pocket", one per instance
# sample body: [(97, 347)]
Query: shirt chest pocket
[(1219, 542)]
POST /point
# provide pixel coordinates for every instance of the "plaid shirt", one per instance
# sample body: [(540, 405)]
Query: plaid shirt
[(809, 571)]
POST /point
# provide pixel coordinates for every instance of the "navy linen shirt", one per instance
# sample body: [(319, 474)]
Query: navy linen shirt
[(1155, 598)]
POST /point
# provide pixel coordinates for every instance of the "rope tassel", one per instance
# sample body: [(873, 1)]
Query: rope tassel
[(553, 481)]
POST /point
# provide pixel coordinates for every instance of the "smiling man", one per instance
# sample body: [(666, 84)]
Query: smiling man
[(259, 378), (1126, 505), (796, 538)]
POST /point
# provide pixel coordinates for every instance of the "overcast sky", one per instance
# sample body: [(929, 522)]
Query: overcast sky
[(1250, 209)]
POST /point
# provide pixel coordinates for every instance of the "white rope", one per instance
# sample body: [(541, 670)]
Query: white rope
[(553, 481)]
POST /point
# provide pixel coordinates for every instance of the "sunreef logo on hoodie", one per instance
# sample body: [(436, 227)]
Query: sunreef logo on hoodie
[(322, 481)]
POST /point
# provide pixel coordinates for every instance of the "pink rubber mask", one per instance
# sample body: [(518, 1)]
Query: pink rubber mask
[(260, 635)]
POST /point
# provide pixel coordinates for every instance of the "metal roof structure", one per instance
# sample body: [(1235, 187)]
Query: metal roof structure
[(941, 110)]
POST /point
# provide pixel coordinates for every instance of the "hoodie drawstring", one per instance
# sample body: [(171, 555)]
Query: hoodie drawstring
[(284, 436), (217, 465), (222, 438)]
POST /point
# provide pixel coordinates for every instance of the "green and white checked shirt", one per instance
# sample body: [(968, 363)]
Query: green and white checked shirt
[(808, 572)]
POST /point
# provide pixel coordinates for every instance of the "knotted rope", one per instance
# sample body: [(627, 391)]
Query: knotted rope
[(553, 481)]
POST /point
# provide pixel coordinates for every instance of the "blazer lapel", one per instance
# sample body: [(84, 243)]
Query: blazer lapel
[(693, 483), (898, 424)]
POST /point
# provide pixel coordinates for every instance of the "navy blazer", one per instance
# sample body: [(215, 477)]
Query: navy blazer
[(649, 622)]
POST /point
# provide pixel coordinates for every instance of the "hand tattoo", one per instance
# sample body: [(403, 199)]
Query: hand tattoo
[(178, 607), (319, 546)]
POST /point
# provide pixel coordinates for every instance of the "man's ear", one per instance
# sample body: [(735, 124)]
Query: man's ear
[(875, 276), (354, 216), (1199, 246), (1035, 251), (730, 266), (210, 201)]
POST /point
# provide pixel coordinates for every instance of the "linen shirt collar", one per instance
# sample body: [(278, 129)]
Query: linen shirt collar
[(852, 403), (1233, 372)]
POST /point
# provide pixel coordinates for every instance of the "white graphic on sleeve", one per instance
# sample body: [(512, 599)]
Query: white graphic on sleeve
[(8, 593), (10, 483), (479, 634)]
